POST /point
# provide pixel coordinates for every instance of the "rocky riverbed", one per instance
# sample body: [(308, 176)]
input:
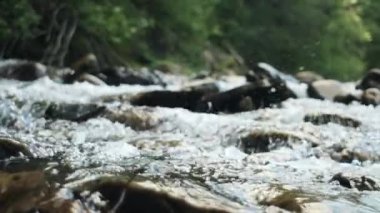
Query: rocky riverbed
[(264, 142)]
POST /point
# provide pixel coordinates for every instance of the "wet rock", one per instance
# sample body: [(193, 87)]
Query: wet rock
[(172, 99), (370, 80), (321, 119), (134, 118), (207, 86), (326, 89), (86, 64), (236, 100), (360, 183), (73, 112), (308, 77), (21, 192), (287, 200), (90, 79), (265, 141), (124, 196), (121, 75), (346, 99), (12, 148), (371, 96), (22, 70)]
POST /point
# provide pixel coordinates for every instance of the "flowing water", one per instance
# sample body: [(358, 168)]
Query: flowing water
[(199, 156)]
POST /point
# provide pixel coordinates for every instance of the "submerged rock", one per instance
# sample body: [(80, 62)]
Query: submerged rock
[(22, 70), (370, 80), (137, 119), (265, 141), (321, 119), (73, 112), (12, 148), (360, 183), (287, 200)]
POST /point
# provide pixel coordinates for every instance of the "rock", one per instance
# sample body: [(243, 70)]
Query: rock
[(370, 80), (286, 200), (90, 79), (360, 183), (12, 148), (87, 63), (326, 89), (21, 192), (246, 97), (125, 196), (321, 119), (135, 118), (371, 96), (308, 77), (207, 86), (265, 141), (172, 99), (346, 99), (120, 75), (73, 112), (22, 70)]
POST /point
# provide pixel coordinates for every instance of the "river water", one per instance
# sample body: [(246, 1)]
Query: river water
[(199, 156)]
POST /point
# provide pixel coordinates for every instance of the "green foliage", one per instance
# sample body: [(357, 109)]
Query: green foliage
[(17, 19), (339, 38)]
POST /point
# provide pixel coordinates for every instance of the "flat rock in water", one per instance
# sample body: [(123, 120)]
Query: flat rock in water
[(326, 89), (22, 70), (73, 112), (265, 141), (323, 118)]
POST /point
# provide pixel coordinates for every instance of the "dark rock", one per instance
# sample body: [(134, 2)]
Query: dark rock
[(123, 196), (120, 75), (326, 89), (321, 119), (22, 70), (261, 141), (86, 64), (172, 99), (244, 98), (371, 96), (360, 183), (346, 99), (308, 77), (12, 148), (370, 80), (73, 112)]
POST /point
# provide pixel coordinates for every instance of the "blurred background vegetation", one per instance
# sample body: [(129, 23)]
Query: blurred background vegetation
[(337, 38)]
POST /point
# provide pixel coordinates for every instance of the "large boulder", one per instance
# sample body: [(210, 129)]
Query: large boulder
[(22, 70), (371, 96), (370, 80), (326, 89)]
